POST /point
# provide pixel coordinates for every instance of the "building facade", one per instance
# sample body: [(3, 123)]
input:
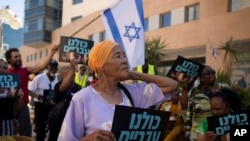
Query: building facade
[(188, 27), (41, 18), (14, 38), (77, 9), (10, 38)]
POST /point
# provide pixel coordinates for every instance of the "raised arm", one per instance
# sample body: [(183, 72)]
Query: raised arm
[(38, 68), (166, 84), (68, 79)]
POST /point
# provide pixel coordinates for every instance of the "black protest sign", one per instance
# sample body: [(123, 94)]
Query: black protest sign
[(221, 124), (48, 97), (189, 68), (71, 47), (9, 80), (130, 123)]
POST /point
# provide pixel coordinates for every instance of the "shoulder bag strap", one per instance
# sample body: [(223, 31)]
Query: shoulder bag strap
[(127, 93)]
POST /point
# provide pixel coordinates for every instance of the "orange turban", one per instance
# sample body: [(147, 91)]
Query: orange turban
[(99, 54)]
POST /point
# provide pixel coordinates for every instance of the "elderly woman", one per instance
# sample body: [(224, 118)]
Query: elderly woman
[(93, 107)]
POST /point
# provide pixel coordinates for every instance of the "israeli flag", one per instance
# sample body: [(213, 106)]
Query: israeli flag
[(124, 24), (212, 50)]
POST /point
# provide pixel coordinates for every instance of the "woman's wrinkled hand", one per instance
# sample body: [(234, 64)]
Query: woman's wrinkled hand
[(100, 135)]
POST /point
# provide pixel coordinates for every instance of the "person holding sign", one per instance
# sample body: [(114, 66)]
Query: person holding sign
[(10, 100), (64, 90), (43, 87), (198, 102), (91, 111), (175, 129), (220, 104), (14, 60)]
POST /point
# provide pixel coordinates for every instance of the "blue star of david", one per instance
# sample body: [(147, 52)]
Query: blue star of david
[(132, 32)]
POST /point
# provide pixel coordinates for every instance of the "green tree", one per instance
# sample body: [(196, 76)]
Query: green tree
[(231, 55), (155, 50)]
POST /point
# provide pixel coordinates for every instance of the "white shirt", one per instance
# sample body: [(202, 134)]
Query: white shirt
[(40, 83)]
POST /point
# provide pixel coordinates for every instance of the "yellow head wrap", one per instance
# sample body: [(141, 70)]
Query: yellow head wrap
[(99, 54)]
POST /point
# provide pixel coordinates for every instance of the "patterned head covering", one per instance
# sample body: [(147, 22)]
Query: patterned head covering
[(99, 54)]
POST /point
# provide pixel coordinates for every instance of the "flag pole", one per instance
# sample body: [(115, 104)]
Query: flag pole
[(85, 25)]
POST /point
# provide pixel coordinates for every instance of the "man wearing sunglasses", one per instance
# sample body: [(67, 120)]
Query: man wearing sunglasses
[(43, 89), (198, 102)]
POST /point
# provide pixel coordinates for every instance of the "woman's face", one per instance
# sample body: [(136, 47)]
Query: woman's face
[(218, 106), (116, 63)]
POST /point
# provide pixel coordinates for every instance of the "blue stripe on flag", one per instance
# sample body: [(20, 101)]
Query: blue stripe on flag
[(114, 29), (112, 25), (139, 7)]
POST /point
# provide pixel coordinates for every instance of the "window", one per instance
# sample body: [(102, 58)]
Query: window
[(77, 1), (27, 59), (34, 56), (235, 5), (40, 2), (31, 57), (46, 52), (40, 23), (145, 24), (165, 20), (27, 5), (192, 13), (75, 18), (43, 53), (102, 36)]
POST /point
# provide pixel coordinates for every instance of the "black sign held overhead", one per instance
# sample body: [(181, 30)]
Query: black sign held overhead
[(77, 48), (220, 125), (137, 124), (9, 80), (188, 68)]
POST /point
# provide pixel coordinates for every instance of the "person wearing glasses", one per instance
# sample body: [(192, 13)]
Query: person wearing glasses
[(197, 100), (64, 91), (91, 110), (43, 89)]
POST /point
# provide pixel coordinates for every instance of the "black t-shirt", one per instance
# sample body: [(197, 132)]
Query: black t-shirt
[(66, 95)]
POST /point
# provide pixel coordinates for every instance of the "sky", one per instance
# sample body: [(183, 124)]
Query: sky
[(17, 6)]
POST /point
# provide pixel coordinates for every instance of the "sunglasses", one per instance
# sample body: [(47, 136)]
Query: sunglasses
[(209, 72)]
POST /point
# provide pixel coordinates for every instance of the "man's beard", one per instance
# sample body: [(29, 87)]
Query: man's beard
[(17, 64)]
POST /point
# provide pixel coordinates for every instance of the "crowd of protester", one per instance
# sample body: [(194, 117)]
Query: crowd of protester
[(75, 104)]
